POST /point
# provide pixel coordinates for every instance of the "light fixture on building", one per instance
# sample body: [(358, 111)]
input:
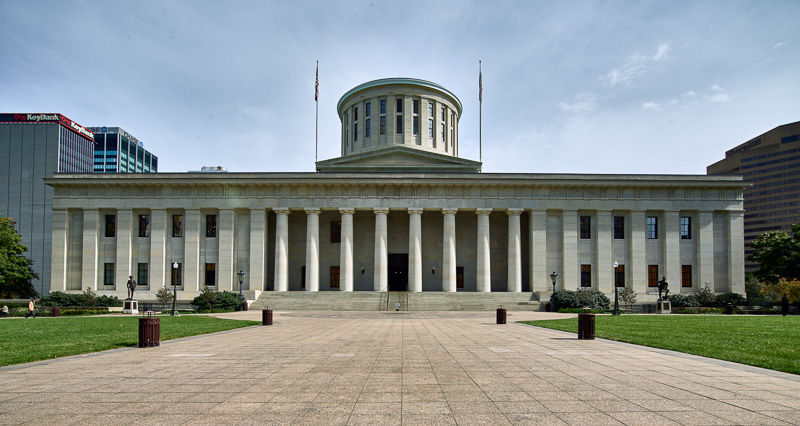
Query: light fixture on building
[(554, 279)]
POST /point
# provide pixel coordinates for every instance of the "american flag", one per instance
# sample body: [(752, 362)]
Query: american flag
[(316, 85)]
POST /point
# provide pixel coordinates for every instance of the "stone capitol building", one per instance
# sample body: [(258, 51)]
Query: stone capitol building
[(399, 210)]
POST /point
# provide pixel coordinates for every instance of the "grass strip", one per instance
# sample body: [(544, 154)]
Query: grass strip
[(771, 342), (28, 340)]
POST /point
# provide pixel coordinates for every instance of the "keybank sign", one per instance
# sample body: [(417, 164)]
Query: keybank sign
[(48, 118)]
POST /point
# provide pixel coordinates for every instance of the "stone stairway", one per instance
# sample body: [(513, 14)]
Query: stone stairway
[(378, 301)]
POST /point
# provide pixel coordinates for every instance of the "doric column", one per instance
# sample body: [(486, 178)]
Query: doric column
[(539, 275), (381, 275), (191, 253), (705, 249), (570, 278), (282, 249), (258, 249), (484, 277), (449, 251), (124, 236), (736, 251), (158, 248), (514, 251), (415, 250), (58, 263), (672, 250), (346, 254), (638, 267), (225, 233), (312, 249), (605, 253), (89, 262)]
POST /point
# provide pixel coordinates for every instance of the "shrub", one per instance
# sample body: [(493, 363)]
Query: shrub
[(212, 300), (164, 295), (705, 295), (724, 298), (205, 300), (593, 299), (678, 300), (563, 299), (628, 296), (87, 298)]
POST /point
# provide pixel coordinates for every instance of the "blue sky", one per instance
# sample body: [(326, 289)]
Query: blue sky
[(657, 87)]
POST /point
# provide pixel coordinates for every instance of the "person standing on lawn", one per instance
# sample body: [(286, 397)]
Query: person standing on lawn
[(785, 304), (31, 308), (4, 311)]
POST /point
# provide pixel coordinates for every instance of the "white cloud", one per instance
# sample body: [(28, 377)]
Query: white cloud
[(634, 67), (583, 103), (689, 94), (658, 107), (779, 44), (717, 94)]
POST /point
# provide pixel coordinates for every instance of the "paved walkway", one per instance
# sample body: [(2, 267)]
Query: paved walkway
[(394, 368)]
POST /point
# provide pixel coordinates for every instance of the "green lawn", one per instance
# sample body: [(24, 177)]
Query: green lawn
[(764, 341), (27, 340)]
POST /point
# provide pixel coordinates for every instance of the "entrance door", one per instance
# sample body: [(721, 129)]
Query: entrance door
[(398, 272)]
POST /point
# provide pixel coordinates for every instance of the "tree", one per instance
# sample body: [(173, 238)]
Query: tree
[(164, 296), (778, 255), (628, 296), (16, 270)]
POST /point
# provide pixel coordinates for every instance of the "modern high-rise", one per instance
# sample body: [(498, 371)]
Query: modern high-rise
[(771, 162), (34, 147), (116, 151)]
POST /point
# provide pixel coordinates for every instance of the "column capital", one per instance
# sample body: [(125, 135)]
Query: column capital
[(514, 212), (347, 210), (381, 210), (482, 211), (414, 210), (282, 210), (311, 210), (449, 211)]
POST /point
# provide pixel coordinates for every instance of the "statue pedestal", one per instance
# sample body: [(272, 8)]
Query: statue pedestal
[(130, 306), (663, 307)]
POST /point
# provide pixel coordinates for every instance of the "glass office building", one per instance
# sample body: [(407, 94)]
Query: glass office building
[(116, 151)]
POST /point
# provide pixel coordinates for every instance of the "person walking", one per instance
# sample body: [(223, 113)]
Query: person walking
[(31, 308), (4, 311), (785, 304)]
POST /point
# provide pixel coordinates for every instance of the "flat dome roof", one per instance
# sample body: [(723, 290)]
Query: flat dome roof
[(398, 80)]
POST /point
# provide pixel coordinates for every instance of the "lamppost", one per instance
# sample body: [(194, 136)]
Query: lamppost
[(174, 288), (241, 275), (554, 279), (616, 297)]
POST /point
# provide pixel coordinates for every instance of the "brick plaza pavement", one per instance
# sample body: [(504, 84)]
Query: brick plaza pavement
[(427, 368)]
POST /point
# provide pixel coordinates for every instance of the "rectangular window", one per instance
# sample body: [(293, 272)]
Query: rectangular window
[(443, 114), (619, 276), (416, 125), (177, 274), (430, 109), (415, 104), (430, 128), (355, 114), (652, 228), (366, 110), (459, 277), (211, 274), (108, 274), (383, 125), (652, 275), (144, 225), (366, 128), (177, 225), (399, 125), (619, 227), (383, 106), (334, 277), (211, 225), (586, 227), (441, 126), (142, 271), (586, 275), (355, 132), (336, 231), (399, 108), (111, 225), (686, 228), (686, 275)]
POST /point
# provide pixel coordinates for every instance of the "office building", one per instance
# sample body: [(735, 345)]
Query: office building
[(116, 151)]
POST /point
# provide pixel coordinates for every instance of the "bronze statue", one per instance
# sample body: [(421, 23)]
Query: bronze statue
[(131, 287), (663, 286)]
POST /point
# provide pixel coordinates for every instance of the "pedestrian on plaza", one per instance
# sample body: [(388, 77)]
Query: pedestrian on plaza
[(31, 308), (4, 311), (785, 304)]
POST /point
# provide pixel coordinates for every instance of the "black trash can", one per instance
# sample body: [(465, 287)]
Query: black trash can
[(56, 311), (547, 307), (266, 317), (501, 314), (729, 309), (244, 305), (586, 326), (149, 331)]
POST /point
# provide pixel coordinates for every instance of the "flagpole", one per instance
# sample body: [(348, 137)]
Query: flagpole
[(480, 113), (316, 100)]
